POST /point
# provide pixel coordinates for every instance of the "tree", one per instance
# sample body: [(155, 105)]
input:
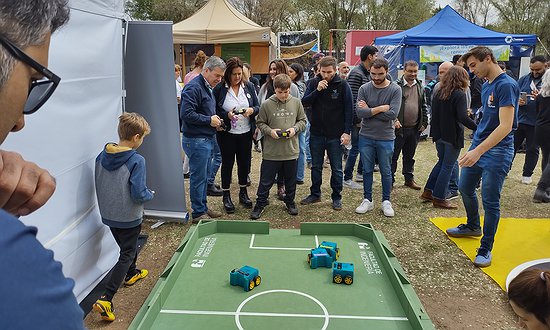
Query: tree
[(325, 15), (476, 11), (163, 10), (271, 13), (520, 16), (394, 14)]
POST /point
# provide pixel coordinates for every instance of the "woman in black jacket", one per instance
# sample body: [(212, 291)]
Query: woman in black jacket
[(237, 105), (449, 116)]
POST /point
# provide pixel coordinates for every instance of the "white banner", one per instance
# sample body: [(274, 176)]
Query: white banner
[(67, 134), (442, 53)]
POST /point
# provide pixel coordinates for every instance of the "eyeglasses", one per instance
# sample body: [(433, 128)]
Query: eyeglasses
[(39, 90)]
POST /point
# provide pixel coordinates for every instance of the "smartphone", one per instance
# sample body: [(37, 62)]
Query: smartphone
[(523, 96)]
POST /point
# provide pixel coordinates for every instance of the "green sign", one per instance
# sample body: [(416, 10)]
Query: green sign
[(241, 51)]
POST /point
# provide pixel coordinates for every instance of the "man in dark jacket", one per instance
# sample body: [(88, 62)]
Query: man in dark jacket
[(199, 124), (411, 121), (359, 76), (331, 116), (529, 85)]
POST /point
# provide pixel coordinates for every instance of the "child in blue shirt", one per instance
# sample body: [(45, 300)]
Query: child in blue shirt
[(121, 192)]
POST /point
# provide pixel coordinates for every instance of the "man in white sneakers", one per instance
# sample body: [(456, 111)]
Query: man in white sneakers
[(378, 104)]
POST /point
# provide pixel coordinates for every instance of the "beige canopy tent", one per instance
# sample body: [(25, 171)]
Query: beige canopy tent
[(218, 22)]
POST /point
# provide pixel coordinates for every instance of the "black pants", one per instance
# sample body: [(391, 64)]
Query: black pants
[(235, 146), (527, 133), (268, 170), (543, 139), (126, 238), (407, 143)]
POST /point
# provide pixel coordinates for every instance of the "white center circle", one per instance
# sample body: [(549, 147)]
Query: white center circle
[(238, 312)]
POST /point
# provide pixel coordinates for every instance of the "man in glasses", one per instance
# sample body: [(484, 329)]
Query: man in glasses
[(33, 285)]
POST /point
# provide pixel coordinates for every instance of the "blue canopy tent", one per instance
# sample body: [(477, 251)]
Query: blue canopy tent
[(449, 28)]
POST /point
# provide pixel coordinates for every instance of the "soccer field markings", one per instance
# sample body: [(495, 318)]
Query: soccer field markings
[(251, 246), (326, 316)]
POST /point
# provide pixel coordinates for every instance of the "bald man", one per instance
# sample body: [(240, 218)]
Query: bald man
[(343, 70)]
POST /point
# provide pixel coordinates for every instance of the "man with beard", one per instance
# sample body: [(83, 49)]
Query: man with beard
[(378, 104), (331, 111), (529, 86)]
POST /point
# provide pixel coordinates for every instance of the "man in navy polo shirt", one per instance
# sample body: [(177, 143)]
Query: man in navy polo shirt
[(491, 152)]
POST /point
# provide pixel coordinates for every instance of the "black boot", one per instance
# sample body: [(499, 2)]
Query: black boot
[(244, 199), (227, 203)]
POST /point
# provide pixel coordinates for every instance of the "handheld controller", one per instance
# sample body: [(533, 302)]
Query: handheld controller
[(283, 133)]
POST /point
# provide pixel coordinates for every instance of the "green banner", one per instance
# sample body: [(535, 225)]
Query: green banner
[(241, 51)]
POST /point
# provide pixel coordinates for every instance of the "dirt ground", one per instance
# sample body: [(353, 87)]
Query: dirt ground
[(455, 294)]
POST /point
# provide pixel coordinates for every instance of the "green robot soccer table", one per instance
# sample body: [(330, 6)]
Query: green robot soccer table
[(194, 291)]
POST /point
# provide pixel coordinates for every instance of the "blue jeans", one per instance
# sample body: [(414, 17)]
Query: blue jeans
[(300, 169), (216, 163), (318, 144), (199, 151), (439, 178), (492, 181), (453, 182), (307, 135), (352, 157), (371, 150)]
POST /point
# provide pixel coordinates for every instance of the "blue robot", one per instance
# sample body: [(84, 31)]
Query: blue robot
[(342, 272), (324, 255), (246, 276)]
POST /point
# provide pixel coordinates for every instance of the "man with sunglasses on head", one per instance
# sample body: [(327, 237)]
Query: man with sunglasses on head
[(34, 290)]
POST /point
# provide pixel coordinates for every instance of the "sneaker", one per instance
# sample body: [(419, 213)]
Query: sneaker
[(337, 205), (359, 177), (365, 206), (451, 195), (105, 309), (463, 231), (186, 175), (310, 200), (291, 208), (257, 212), (387, 209), (141, 273), (526, 180), (483, 258), (376, 168), (299, 182), (352, 184)]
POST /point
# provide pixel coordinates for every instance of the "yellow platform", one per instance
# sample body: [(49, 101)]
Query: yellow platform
[(517, 241)]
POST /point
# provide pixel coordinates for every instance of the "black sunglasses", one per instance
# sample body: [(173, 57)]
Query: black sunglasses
[(39, 90)]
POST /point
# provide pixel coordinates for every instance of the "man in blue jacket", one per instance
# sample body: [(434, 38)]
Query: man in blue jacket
[(529, 86), (199, 124), (35, 293), (330, 99)]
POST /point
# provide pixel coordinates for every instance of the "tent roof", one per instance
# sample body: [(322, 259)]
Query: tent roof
[(219, 22), (449, 28)]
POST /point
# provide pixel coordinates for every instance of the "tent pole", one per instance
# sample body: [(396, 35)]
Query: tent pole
[(330, 42)]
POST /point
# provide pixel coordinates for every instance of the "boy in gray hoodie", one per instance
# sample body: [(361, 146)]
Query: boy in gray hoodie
[(121, 192), (280, 119)]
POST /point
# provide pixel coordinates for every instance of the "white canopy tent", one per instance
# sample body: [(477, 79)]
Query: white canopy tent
[(67, 134), (219, 22)]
